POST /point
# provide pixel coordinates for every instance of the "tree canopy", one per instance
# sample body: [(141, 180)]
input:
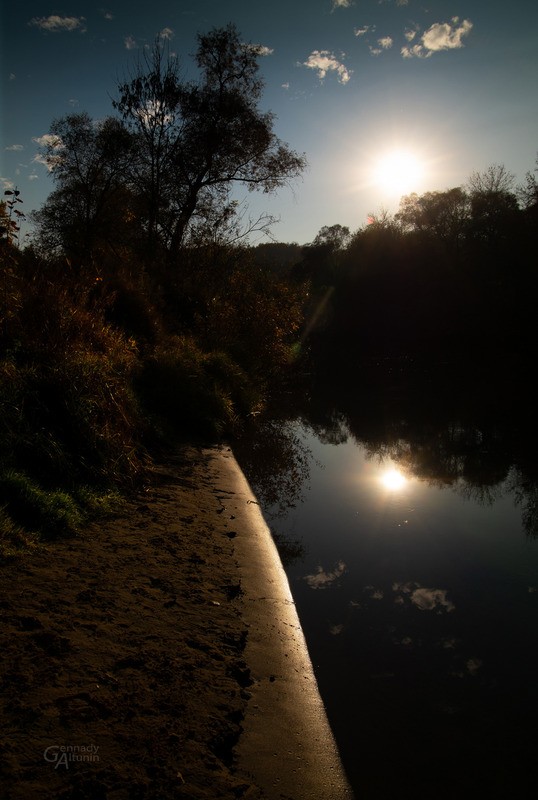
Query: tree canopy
[(174, 154)]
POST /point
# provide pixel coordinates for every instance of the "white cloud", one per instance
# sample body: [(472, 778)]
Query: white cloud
[(410, 34), (286, 86), (260, 49), (108, 15), (12, 76), (15, 148), (55, 144), (363, 31), (323, 61), (151, 111), (322, 579), (440, 36), (166, 33), (130, 43), (54, 23), (342, 4), (39, 159), (417, 51), (33, 177), (47, 140), (385, 42)]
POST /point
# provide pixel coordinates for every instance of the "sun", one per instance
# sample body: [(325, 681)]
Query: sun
[(398, 172)]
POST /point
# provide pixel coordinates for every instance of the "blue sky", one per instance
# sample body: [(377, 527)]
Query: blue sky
[(451, 83)]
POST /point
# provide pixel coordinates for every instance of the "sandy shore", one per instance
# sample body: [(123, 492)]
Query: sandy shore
[(135, 662)]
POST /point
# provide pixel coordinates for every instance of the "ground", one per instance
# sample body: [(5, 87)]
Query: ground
[(122, 660)]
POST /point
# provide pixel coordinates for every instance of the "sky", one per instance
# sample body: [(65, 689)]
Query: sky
[(384, 97)]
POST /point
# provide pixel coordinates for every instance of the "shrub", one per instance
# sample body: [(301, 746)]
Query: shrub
[(256, 318), (190, 391), (65, 381)]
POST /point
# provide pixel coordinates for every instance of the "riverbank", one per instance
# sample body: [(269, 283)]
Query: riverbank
[(135, 655)]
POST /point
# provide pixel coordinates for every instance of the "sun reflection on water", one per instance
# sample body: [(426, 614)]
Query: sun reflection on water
[(393, 480)]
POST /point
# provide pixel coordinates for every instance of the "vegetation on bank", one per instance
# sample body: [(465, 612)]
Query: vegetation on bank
[(136, 316), (139, 313), (96, 375)]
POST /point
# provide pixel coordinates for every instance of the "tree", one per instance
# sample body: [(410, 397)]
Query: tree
[(441, 214), (495, 179), (528, 194), (88, 162), (334, 237), (494, 205), (320, 263), (196, 140)]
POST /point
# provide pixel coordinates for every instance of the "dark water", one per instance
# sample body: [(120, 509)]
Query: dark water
[(406, 512)]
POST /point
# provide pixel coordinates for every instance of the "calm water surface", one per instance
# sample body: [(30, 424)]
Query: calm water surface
[(411, 555)]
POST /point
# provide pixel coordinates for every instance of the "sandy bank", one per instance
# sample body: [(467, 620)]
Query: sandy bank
[(159, 655)]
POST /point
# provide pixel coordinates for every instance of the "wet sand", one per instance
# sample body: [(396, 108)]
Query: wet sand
[(158, 655)]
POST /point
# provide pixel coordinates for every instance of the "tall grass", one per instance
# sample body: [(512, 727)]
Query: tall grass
[(96, 368), (190, 392), (69, 415)]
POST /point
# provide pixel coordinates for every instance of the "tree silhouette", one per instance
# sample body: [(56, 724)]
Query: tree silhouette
[(439, 214), (88, 161), (195, 140)]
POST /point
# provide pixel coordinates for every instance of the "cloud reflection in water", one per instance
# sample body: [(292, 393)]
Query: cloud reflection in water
[(322, 579), (423, 598)]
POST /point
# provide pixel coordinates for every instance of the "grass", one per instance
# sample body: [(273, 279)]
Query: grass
[(188, 390), (30, 514)]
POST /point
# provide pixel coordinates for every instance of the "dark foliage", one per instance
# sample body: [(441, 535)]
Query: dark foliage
[(450, 277)]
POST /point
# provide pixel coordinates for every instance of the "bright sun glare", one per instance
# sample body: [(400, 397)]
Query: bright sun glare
[(393, 480), (399, 172)]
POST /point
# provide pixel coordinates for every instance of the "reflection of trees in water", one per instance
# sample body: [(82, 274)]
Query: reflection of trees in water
[(456, 432), (277, 464), (290, 550), (478, 468), (525, 492), (483, 495), (331, 428), (451, 433)]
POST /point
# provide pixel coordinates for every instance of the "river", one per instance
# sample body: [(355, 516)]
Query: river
[(406, 511)]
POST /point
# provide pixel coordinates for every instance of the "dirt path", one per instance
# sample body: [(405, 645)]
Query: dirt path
[(122, 664)]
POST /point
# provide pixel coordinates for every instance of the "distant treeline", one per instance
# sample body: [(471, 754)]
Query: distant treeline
[(452, 275)]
